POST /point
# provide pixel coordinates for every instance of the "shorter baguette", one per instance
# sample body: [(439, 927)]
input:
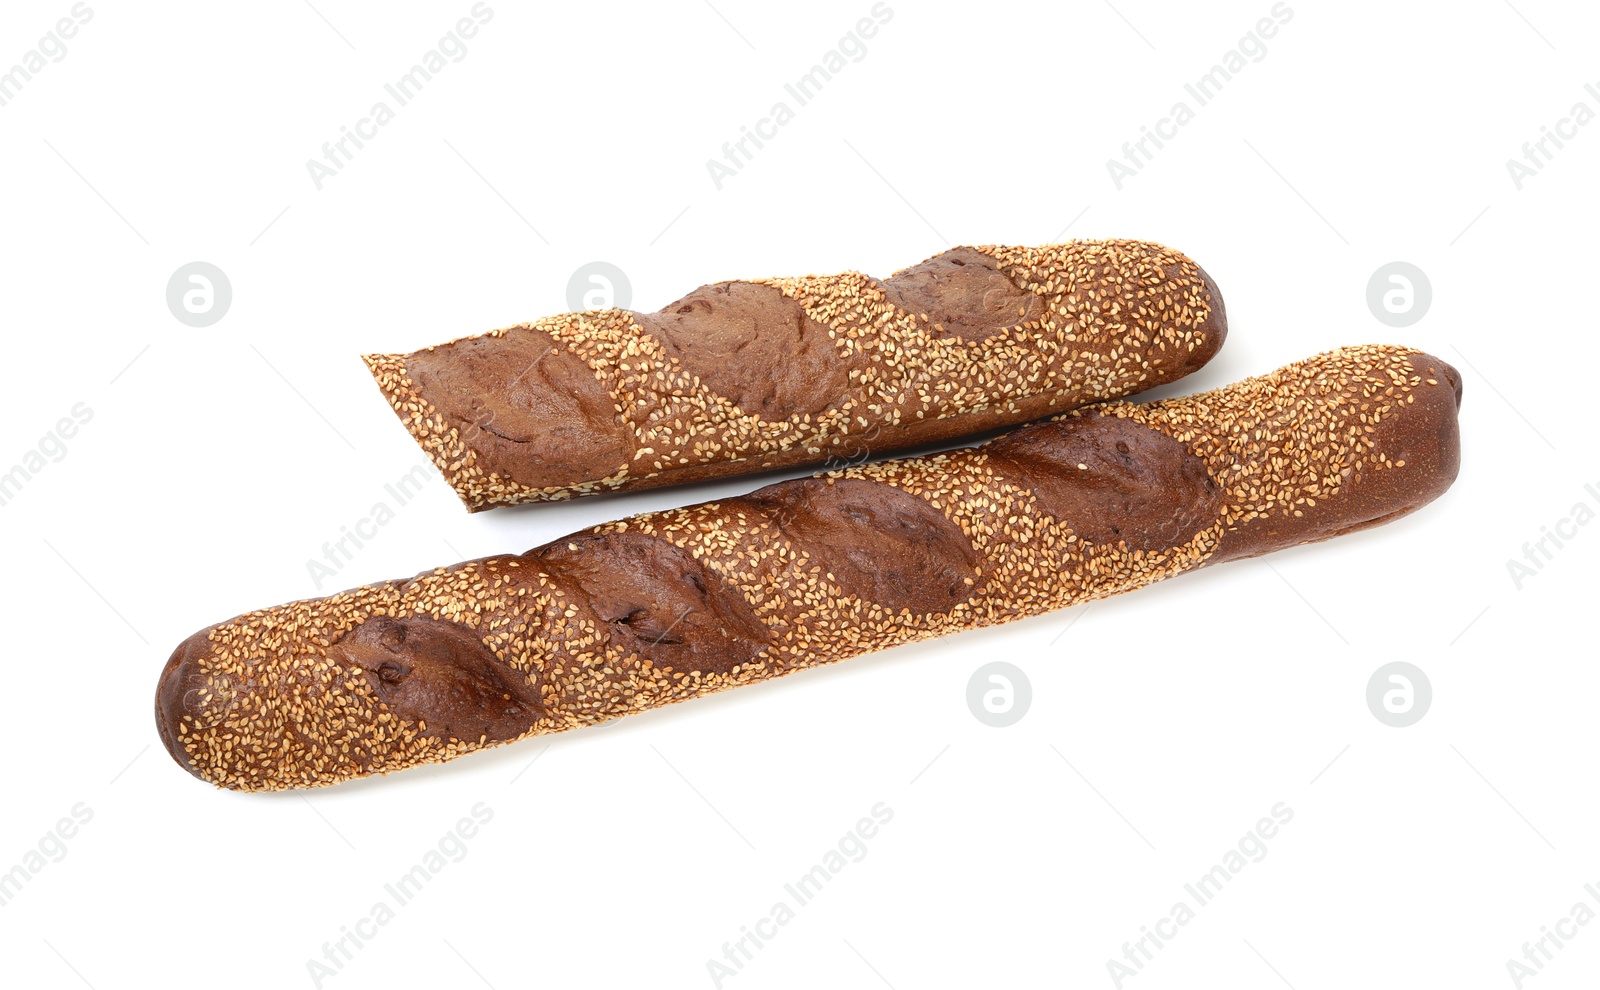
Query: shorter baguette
[(742, 377), (670, 605)]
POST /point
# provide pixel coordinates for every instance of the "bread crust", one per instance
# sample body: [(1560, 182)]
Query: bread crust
[(666, 606), (742, 377)]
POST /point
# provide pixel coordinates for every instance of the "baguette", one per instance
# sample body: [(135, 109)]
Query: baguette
[(665, 606), (740, 377)]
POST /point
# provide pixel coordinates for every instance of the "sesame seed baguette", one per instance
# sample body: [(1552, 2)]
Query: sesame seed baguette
[(741, 377), (666, 606)]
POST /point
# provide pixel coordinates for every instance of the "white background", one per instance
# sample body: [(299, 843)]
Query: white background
[(1163, 723)]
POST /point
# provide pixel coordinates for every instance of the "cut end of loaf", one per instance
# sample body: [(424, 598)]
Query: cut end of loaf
[(416, 415), (471, 420)]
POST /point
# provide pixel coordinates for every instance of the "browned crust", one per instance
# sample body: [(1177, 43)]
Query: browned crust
[(742, 377), (666, 606)]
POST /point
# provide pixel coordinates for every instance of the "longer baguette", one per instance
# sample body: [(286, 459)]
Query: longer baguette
[(669, 605), (741, 377)]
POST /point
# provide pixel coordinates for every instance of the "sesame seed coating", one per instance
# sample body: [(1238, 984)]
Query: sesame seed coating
[(670, 605), (742, 377)]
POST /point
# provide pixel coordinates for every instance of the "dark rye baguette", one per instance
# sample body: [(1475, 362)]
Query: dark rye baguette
[(741, 377), (670, 605)]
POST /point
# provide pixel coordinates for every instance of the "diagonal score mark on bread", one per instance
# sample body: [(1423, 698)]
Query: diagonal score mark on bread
[(739, 377), (670, 605)]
